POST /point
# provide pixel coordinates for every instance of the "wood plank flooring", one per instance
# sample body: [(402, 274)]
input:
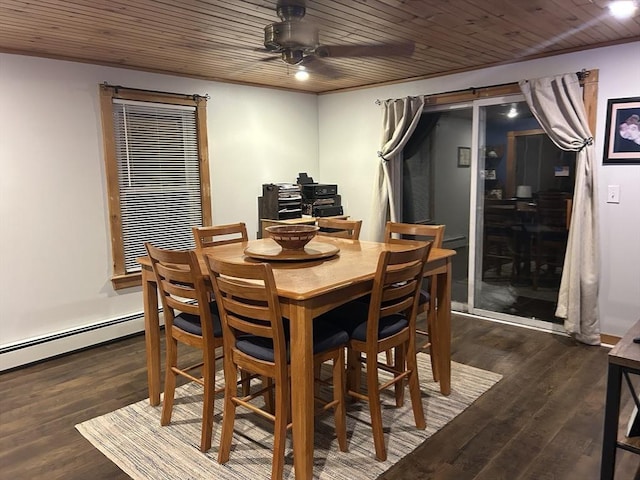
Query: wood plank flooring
[(542, 421)]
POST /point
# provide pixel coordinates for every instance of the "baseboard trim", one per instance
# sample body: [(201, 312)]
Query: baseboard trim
[(33, 350), (607, 339)]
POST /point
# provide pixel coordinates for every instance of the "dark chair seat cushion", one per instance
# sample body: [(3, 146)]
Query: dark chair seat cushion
[(352, 317), (325, 337), (191, 323)]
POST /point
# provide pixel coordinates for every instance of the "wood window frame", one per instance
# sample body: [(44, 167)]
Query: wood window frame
[(588, 81), (120, 279)]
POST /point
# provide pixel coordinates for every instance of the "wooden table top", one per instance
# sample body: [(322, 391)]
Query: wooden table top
[(626, 353), (356, 262)]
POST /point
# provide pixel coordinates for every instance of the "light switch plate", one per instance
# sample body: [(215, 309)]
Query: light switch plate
[(613, 194)]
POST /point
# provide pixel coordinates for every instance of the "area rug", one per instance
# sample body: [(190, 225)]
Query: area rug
[(133, 439)]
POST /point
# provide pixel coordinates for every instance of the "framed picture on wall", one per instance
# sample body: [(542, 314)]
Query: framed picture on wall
[(464, 156), (622, 132)]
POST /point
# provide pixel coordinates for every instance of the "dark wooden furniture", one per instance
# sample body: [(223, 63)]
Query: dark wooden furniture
[(624, 359), (280, 201)]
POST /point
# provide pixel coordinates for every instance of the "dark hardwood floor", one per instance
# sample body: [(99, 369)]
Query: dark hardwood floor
[(542, 421)]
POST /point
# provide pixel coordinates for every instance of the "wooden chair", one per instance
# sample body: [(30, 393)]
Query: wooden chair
[(550, 235), (219, 235), (338, 227), (409, 232), (255, 340), (190, 319), (502, 226), (388, 321)]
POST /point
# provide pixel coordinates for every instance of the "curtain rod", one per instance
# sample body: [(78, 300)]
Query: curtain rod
[(582, 74), (193, 96)]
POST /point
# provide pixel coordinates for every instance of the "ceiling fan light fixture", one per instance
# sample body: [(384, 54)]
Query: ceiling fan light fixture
[(292, 57), (513, 113), (623, 8), (302, 74)]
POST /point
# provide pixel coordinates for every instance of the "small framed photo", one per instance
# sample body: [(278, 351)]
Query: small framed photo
[(622, 132), (464, 156)]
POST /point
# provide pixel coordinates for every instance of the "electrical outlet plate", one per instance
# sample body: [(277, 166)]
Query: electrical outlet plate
[(613, 194)]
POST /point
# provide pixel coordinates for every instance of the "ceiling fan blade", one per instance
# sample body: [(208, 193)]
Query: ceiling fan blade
[(317, 65), (374, 50), (270, 59)]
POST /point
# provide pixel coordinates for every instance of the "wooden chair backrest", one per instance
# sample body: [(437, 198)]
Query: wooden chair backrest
[(339, 227), (396, 232), (396, 287), (181, 285), (219, 235), (248, 304), (551, 209)]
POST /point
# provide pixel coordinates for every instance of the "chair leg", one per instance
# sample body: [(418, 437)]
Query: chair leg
[(280, 428), (209, 375), (229, 413), (389, 355), (354, 370), (169, 380), (400, 366), (433, 338), (375, 408), (245, 381), (267, 383), (414, 388), (339, 411)]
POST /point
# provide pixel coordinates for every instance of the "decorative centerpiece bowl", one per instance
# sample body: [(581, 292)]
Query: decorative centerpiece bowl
[(292, 237)]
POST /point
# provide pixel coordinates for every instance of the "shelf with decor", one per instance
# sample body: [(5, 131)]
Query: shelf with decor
[(493, 189)]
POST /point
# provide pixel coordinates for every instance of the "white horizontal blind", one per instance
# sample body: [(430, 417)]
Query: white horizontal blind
[(158, 176)]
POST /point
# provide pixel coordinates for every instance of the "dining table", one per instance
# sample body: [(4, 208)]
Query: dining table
[(307, 289)]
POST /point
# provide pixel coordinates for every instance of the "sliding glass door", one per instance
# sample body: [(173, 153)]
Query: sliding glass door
[(488, 172)]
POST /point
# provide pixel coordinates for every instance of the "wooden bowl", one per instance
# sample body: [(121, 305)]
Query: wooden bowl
[(292, 237)]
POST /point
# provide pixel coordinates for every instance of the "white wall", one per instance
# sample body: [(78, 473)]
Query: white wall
[(350, 132), (55, 253)]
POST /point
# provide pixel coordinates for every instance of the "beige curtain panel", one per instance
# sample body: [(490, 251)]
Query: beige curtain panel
[(558, 105), (399, 120)]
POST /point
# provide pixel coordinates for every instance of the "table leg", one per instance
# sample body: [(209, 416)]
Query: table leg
[(302, 403), (151, 334), (443, 321), (611, 415)]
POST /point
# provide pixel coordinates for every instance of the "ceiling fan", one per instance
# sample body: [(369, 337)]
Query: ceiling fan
[(296, 41)]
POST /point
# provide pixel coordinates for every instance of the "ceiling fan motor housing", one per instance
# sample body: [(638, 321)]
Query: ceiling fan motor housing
[(290, 35)]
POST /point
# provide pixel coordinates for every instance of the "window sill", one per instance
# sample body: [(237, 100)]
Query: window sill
[(126, 281)]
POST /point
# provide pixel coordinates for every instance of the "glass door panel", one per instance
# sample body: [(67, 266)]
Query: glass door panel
[(519, 250)]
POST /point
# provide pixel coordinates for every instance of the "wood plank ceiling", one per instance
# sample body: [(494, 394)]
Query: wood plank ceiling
[(218, 40)]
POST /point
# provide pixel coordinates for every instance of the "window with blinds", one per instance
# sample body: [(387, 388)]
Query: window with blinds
[(154, 152), (158, 176)]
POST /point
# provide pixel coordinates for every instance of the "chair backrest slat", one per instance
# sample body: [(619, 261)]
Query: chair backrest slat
[(396, 232), (248, 302), (396, 285), (216, 235), (339, 227), (182, 286)]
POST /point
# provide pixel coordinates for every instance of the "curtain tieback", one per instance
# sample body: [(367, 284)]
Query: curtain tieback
[(382, 156), (586, 142)]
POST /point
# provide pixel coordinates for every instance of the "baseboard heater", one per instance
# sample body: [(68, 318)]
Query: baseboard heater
[(40, 348)]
